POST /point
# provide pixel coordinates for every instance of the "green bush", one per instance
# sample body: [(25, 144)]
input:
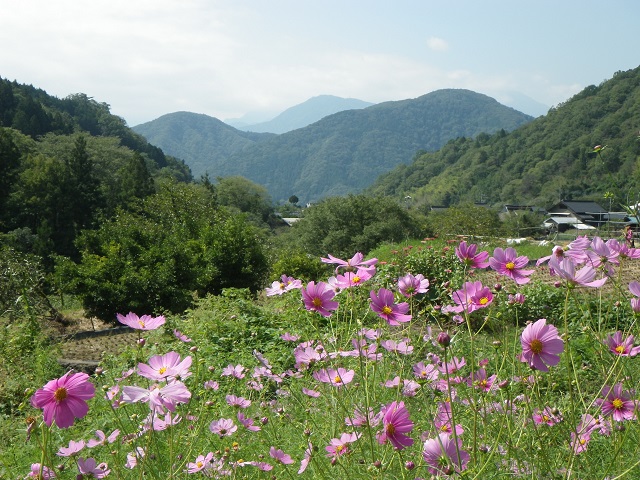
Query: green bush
[(177, 245)]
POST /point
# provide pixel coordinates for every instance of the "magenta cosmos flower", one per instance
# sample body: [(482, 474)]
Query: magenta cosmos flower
[(566, 268), (621, 347), (383, 304), (145, 322), (617, 403), (634, 288), (410, 285), (202, 461), (223, 427), (337, 378), (64, 399), (91, 467), (396, 423), (280, 457), (541, 345), (443, 455), (467, 255), (357, 261), (508, 263), (165, 367), (41, 472), (317, 298), (471, 297)]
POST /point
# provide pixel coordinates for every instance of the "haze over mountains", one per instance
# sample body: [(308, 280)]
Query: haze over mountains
[(339, 154)]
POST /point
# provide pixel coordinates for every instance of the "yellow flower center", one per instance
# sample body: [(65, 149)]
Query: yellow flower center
[(200, 464), (536, 346), (339, 448), (317, 302), (617, 404), (545, 418), (162, 370), (510, 266), (620, 349), (387, 310), (356, 279), (390, 429), (60, 394), (482, 383), (337, 379), (281, 286), (423, 373), (483, 301), (141, 323), (583, 441)]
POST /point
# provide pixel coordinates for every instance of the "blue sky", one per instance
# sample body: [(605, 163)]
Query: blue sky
[(229, 58)]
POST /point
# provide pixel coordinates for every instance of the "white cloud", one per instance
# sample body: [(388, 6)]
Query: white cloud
[(437, 44)]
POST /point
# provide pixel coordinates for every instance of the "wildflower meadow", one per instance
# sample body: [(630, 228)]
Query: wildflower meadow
[(444, 362)]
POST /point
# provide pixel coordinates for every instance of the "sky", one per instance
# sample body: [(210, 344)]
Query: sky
[(255, 58)]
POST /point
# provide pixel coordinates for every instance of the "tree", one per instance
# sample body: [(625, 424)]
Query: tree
[(239, 193), (342, 226), (293, 199), (177, 243)]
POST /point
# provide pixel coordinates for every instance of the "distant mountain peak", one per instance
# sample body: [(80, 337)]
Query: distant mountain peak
[(306, 113)]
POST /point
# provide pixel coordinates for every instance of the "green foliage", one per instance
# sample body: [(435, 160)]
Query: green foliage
[(541, 162), (340, 154), (298, 264), (240, 194), (469, 220), (176, 245), (342, 226)]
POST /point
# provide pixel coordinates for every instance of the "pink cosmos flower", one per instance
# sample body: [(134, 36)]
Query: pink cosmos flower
[(317, 298), (340, 446), (132, 458), (634, 288), (396, 423), (566, 268), (442, 420), (41, 472), (581, 437), (200, 464), (240, 402), (352, 264), (410, 286), (145, 322), (383, 304), (64, 399), (479, 380), (158, 423), (506, 262), (304, 463), (247, 422), (158, 397), (443, 456), (223, 427), (90, 467), (410, 388), (280, 457), (517, 298), (181, 336), (352, 279), (617, 403), (236, 371), (165, 367), (364, 418), (471, 297), (73, 448), (541, 345), (621, 347), (402, 346), (547, 416), (310, 393), (425, 371), (601, 255), (337, 378), (467, 255), (287, 337)]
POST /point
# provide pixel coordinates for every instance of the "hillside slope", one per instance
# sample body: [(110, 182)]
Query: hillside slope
[(542, 162)]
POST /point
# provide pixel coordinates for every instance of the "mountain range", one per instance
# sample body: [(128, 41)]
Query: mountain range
[(302, 114), (339, 154)]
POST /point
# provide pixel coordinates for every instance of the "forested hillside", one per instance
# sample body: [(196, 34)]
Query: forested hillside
[(65, 164), (345, 152), (548, 159)]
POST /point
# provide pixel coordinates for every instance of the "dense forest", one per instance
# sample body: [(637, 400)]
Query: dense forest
[(549, 159), (340, 154)]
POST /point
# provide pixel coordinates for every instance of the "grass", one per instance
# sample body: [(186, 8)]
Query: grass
[(337, 383)]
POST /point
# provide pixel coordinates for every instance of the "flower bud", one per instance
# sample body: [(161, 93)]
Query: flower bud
[(444, 339), (409, 465)]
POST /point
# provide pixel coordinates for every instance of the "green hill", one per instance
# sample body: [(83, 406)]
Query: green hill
[(541, 162), (341, 153)]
